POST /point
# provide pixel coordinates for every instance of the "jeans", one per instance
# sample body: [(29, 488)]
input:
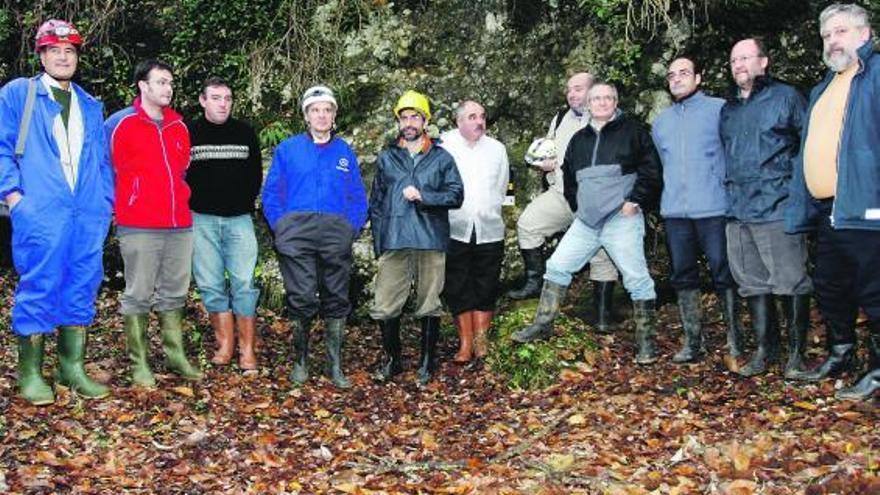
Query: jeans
[(623, 239), (225, 246), (688, 237)]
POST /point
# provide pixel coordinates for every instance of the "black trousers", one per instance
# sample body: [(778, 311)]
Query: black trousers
[(472, 275), (314, 254), (847, 273)]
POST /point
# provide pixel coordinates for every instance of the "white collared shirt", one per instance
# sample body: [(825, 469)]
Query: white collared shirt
[(485, 171), (69, 139)]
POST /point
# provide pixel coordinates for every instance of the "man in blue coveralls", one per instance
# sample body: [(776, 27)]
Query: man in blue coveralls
[(59, 189)]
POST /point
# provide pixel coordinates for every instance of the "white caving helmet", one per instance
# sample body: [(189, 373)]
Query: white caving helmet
[(541, 149), (316, 94)]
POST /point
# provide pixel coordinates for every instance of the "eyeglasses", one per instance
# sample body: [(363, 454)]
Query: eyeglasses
[(603, 98), (682, 73), (734, 60)]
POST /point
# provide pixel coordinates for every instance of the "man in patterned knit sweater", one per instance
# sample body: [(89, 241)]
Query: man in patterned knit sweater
[(225, 177)]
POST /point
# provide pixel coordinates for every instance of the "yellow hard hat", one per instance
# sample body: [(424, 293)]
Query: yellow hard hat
[(414, 100)]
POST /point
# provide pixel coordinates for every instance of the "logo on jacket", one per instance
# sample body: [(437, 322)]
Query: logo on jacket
[(343, 165)]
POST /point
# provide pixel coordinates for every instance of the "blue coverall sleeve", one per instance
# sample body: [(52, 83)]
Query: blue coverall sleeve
[(11, 105), (274, 190), (356, 196)]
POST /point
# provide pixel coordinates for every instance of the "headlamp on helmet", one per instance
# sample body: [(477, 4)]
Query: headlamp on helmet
[(56, 31)]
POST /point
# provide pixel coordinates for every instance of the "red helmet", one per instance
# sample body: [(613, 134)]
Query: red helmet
[(56, 31)]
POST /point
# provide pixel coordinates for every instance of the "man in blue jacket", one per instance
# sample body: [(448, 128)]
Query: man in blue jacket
[(415, 185), (694, 203), (760, 129), (316, 205), (836, 192), (60, 195)]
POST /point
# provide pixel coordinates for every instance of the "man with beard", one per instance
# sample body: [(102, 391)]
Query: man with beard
[(316, 205), (476, 247), (760, 129), (225, 176), (150, 150), (694, 203), (549, 213), (415, 185), (836, 192), (58, 185), (612, 174)]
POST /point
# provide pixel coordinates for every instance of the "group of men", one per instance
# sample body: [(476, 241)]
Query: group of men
[(739, 180), (743, 180)]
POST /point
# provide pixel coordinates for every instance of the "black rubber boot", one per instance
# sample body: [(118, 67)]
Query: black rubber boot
[(645, 316), (428, 359), (548, 308), (692, 327), (763, 312), (730, 308), (334, 337), (393, 364), (797, 318), (301, 329), (841, 338), (534, 267), (870, 382), (603, 303)]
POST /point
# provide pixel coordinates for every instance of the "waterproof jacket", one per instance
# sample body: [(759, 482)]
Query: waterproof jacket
[(306, 177), (604, 169), (761, 136), (687, 139), (400, 224), (57, 232), (150, 160), (857, 198)]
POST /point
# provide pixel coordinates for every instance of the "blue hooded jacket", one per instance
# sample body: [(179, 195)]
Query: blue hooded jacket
[(857, 199)]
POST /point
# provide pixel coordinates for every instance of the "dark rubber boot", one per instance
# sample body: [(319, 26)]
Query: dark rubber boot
[(334, 337), (645, 316), (603, 301), (31, 385), (393, 364), (797, 317), (730, 308), (300, 329), (692, 328), (763, 312), (535, 267), (428, 358), (548, 309), (71, 356), (870, 383), (841, 358)]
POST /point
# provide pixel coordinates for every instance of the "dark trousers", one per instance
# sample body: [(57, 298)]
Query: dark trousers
[(686, 239), (847, 271), (314, 254), (472, 273)]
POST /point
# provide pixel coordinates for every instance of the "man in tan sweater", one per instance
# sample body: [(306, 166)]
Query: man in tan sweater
[(836, 191)]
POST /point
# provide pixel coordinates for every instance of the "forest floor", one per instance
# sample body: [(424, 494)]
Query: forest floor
[(607, 426)]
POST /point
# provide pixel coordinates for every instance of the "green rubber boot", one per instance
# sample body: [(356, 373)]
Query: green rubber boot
[(31, 385), (138, 346), (334, 337), (171, 325), (71, 354)]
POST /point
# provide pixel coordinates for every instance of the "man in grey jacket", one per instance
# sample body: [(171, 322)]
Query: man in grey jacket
[(694, 203)]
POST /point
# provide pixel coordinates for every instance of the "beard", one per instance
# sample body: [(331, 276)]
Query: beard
[(410, 133), (839, 61)]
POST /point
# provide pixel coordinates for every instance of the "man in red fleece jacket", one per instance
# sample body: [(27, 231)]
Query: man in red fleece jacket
[(150, 151)]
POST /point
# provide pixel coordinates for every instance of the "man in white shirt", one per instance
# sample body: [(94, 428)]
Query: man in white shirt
[(476, 230)]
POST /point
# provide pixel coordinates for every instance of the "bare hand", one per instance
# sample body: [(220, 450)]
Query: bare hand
[(412, 194), (12, 199), (548, 165), (629, 209)]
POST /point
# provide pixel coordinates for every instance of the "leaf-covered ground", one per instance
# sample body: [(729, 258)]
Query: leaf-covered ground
[(608, 426)]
